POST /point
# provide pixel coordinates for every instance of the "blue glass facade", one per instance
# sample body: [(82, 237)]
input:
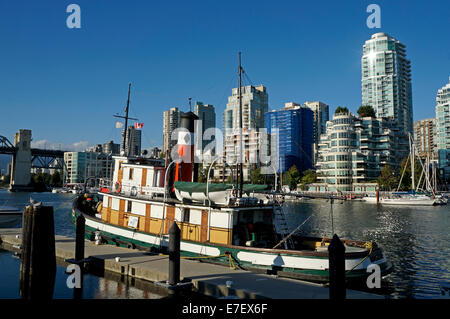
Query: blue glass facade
[(296, 137)]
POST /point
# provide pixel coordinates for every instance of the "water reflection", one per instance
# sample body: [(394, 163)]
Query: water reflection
[(110, 286), (414, 239)]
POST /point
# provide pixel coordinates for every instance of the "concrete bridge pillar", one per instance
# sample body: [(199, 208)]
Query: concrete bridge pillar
[(21, 162)]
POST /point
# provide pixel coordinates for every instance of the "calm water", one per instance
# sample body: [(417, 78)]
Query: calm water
[(94, 287), (415, 240)]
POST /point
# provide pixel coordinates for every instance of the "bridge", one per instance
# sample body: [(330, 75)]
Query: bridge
[(24, 158)]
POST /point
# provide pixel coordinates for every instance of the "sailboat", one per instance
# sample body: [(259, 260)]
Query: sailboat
[(411, 198), (219, 223)]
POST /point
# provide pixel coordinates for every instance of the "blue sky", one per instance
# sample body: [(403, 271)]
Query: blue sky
[(65, 84)]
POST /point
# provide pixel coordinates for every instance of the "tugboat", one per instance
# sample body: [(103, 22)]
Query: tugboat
[(220, 223)]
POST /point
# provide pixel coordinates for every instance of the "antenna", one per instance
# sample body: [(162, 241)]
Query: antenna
[(190, 106)]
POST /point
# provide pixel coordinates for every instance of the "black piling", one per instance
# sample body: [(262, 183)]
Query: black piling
[(38, 258), (174, 254), (79, 238), (336, 258), (79, 253)]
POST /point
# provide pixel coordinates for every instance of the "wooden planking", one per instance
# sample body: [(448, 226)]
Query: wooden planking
[(144, 179), (121, 212), (220, 235), (120, 175), (156, 226), (108, 215), (204, 227), (147, 218), (170, 217)]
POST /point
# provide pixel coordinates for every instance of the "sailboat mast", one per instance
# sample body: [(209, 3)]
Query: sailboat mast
[(124, 137), (241, 173)]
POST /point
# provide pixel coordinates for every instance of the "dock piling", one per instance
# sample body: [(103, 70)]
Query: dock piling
[(79, 241), (174, 254), (336, 257), (79, 253), (38, 258)]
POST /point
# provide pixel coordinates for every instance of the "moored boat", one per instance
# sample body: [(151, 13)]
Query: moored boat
[(9, 216), (241, 231), (219, 223)]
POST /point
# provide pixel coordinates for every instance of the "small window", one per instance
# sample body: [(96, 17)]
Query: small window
[(129, 206), (130, 177), (186, 216)]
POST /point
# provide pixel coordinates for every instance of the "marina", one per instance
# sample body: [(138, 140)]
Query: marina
[(207, 279), (278, 161)]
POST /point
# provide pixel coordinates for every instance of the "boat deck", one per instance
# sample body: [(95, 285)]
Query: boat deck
[(208, 279)]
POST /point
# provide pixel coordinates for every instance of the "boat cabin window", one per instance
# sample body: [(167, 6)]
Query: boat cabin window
[(255, 226), (186, 215), (129, 206), (130, 177)]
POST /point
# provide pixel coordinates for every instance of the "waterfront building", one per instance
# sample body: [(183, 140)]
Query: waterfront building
[(111, 148), (354, 150), (133, 142), (443, 117), (425, 138), (207, 119), (255, 104), (155, 152), (321, 117), (81, 165), (294, 127), (443, 130), (171, 121), (95, 148), (386, 80), (252, 141)]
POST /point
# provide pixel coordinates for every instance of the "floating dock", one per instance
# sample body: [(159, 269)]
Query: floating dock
[(209, 279)]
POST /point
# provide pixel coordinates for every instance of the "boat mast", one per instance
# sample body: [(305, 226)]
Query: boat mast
[(240, 175), (124, 138)]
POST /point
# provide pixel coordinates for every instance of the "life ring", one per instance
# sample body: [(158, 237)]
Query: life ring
[(118, 187)]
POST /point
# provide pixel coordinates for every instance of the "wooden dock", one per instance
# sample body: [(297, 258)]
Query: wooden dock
[(208, 279)]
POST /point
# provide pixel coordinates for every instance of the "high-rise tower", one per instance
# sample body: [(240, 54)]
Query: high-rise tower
[(386, 80)]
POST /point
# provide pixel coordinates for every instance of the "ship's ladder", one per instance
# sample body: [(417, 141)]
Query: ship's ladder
[(281, 227)]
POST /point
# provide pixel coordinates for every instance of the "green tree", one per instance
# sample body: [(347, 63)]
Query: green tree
[(309, 176), (256, 177), (56, 179), (342, 110), (366, 111), (406, 183), (387, 179), (293, 177)]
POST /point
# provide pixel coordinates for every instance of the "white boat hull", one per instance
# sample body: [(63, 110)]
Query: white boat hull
[(256, 258), (419, 201)]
